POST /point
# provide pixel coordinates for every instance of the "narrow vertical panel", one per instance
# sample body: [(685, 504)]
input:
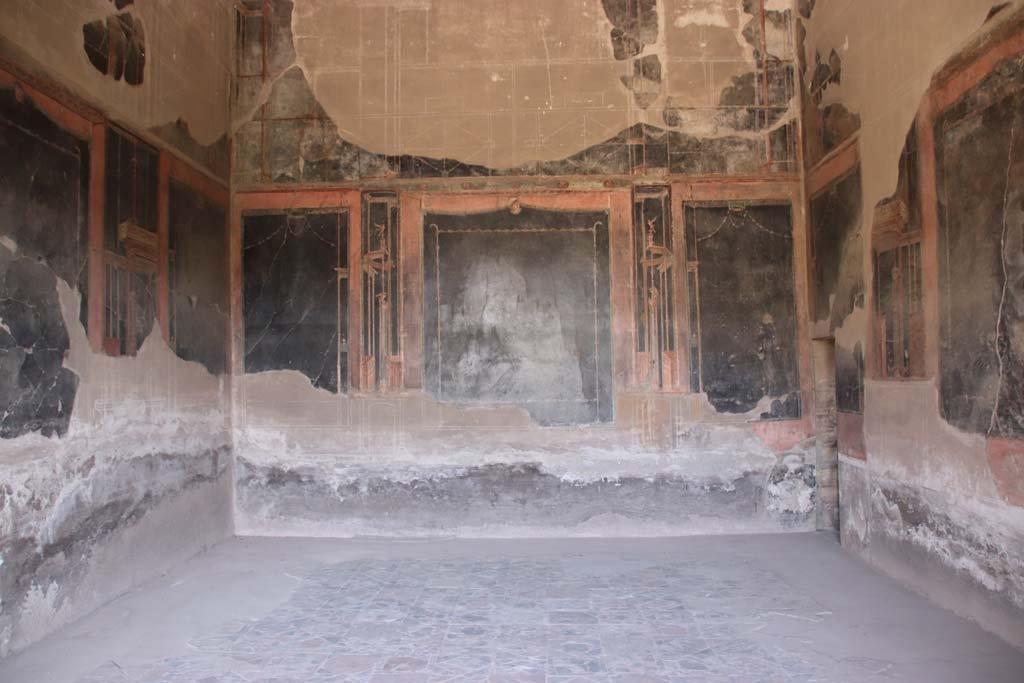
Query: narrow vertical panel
[(654, 263), (197, 284), (380, 365), (163, 251), (622, 315), (355, 291), (97, 192), (411, 229)]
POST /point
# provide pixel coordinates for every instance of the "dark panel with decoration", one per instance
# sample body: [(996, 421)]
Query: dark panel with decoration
[(381, 366), (899, 302), (44, 175), (837, 252), (657, 361), (130, 243), (898, 275), (517, 311), (198, 278), (295, 289), (980, 166), (742, 260)]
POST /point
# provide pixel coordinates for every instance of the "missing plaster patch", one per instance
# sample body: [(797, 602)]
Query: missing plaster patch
[(645, 83), (635, 25)]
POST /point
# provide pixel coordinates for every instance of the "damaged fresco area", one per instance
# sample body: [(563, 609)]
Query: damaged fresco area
[(43, 199), (981, 255), (837, 253), (160, 67), (742, 301), (295, 308), (409, 466), (963, 551), (116, 46), (103, 457), (517, 311), (828, 123), (293, 126), (65, 522), (198, 283), (898, 272), (142, 460), (215, 157)]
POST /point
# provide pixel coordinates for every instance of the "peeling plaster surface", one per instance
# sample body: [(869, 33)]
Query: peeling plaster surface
[(532, 80), (87, 516), (925, 506), (185, 94), (887, 67), (521, 89), (313, 463)]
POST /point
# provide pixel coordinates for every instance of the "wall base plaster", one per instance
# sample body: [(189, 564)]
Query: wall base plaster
[(309, 463), (969, 560), (140, 483)]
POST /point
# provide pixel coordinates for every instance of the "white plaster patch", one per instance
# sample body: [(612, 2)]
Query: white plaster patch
[(791, 495), (713, 15)]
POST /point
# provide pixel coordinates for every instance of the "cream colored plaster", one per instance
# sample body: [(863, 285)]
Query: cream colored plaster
[(890, 50), (887, 67), (504, 83), (188, 58)]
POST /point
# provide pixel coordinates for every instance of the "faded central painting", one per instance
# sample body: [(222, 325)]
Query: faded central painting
[(517, 312)]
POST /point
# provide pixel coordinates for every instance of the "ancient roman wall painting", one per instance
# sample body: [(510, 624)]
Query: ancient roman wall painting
[(130, 243), (837, 256), (742, 307), (295, 294), (517, 311), (381, 363), (197, 278), (546, 88), (898, 275), (657, 361), (980, 169), (44, 175)]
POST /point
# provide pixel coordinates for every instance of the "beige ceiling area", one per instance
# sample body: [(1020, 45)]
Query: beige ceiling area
[(500, 83)]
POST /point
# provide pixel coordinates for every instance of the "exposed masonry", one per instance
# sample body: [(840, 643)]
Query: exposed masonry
[(91, 501)]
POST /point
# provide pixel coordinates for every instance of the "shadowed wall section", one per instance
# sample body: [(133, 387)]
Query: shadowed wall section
[(929, 475), (980, 161), (114, 456), (743, 256)]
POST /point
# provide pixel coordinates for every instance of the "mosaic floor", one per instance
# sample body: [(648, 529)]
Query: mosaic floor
[(529, 621), (744, 609)]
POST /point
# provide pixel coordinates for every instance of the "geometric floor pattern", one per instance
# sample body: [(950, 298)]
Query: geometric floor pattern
[(516, 621)]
